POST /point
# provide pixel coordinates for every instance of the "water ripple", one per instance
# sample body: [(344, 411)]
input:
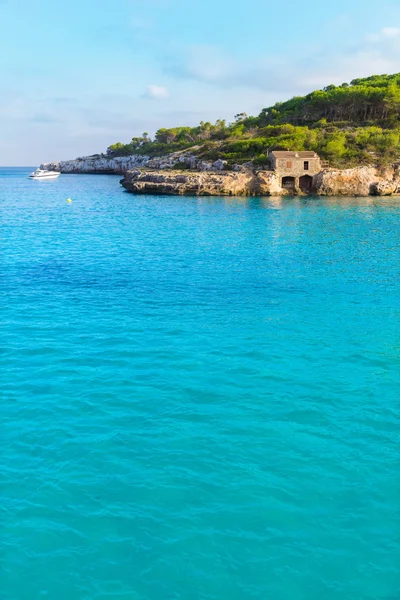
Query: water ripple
[(199, 396)]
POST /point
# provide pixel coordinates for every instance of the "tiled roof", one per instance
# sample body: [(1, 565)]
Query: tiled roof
[(292, 154)]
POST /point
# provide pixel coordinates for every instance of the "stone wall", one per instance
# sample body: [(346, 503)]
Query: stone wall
[(297, 169)]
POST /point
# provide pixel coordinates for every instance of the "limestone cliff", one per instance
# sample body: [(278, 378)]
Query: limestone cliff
[(195, 183), (184, 173), (385, 188), (361, 181), (122, 164), (97, 164)]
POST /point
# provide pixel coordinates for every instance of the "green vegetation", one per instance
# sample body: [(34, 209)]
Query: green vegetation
[(349, 125)]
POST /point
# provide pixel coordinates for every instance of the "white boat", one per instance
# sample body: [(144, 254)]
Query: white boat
[(42, 174)]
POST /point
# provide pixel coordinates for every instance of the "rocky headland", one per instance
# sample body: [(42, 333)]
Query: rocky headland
[(182, 173), (197, 183), (362, 181), (100, 163), (356, 124)]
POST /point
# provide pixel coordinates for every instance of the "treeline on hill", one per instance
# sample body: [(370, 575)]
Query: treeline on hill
[(348, 125)]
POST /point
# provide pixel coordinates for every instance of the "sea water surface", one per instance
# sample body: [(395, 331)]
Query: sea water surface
[(199, 396)]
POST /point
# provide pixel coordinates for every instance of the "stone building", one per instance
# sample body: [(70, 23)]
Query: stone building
[(295, 169)]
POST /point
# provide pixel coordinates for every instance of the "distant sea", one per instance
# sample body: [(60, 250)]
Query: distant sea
[(199, 396)]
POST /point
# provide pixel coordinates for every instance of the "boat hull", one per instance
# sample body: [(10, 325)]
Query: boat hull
[(45, 177)]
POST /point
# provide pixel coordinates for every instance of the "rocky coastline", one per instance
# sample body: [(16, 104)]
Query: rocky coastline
[(119, 165), (182, 173), (362, 181), (197, 183)]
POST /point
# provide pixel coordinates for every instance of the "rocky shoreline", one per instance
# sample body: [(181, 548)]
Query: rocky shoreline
[(119, 165), (182, 173), (362, 181), (197, 183)]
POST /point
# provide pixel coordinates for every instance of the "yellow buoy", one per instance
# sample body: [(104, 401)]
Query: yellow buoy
[(69, 200)]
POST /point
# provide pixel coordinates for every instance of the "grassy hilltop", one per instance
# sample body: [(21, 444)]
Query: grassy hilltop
[(348, 125)]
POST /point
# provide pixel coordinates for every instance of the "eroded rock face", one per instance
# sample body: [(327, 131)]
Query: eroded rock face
[(384, 188), (268, 184), (347, 182), (184, 173), (195, 183), (122, 164), (362, 181), (97, 164), (192, 183), (247, 166)]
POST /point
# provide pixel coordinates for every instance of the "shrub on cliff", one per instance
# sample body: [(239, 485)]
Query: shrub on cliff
[(350, 124)]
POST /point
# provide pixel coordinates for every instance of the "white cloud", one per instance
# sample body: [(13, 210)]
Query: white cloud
[(387, 33), (208, 64), (391, 32), (157, 92), (281, 75)]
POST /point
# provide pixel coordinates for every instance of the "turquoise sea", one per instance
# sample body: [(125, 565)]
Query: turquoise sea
[(199, 396)]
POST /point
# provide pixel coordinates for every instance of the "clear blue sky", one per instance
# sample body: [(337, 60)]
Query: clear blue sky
[(76, 76)]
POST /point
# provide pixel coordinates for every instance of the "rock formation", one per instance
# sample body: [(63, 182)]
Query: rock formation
[(348, 182), (362, 181), (384, 188), (268, 184), (121, 164), (184, 173), (195, 183), (97, 164)]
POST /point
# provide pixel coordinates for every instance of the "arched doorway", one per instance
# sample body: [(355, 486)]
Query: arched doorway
[(305, 183), (288, 183)]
